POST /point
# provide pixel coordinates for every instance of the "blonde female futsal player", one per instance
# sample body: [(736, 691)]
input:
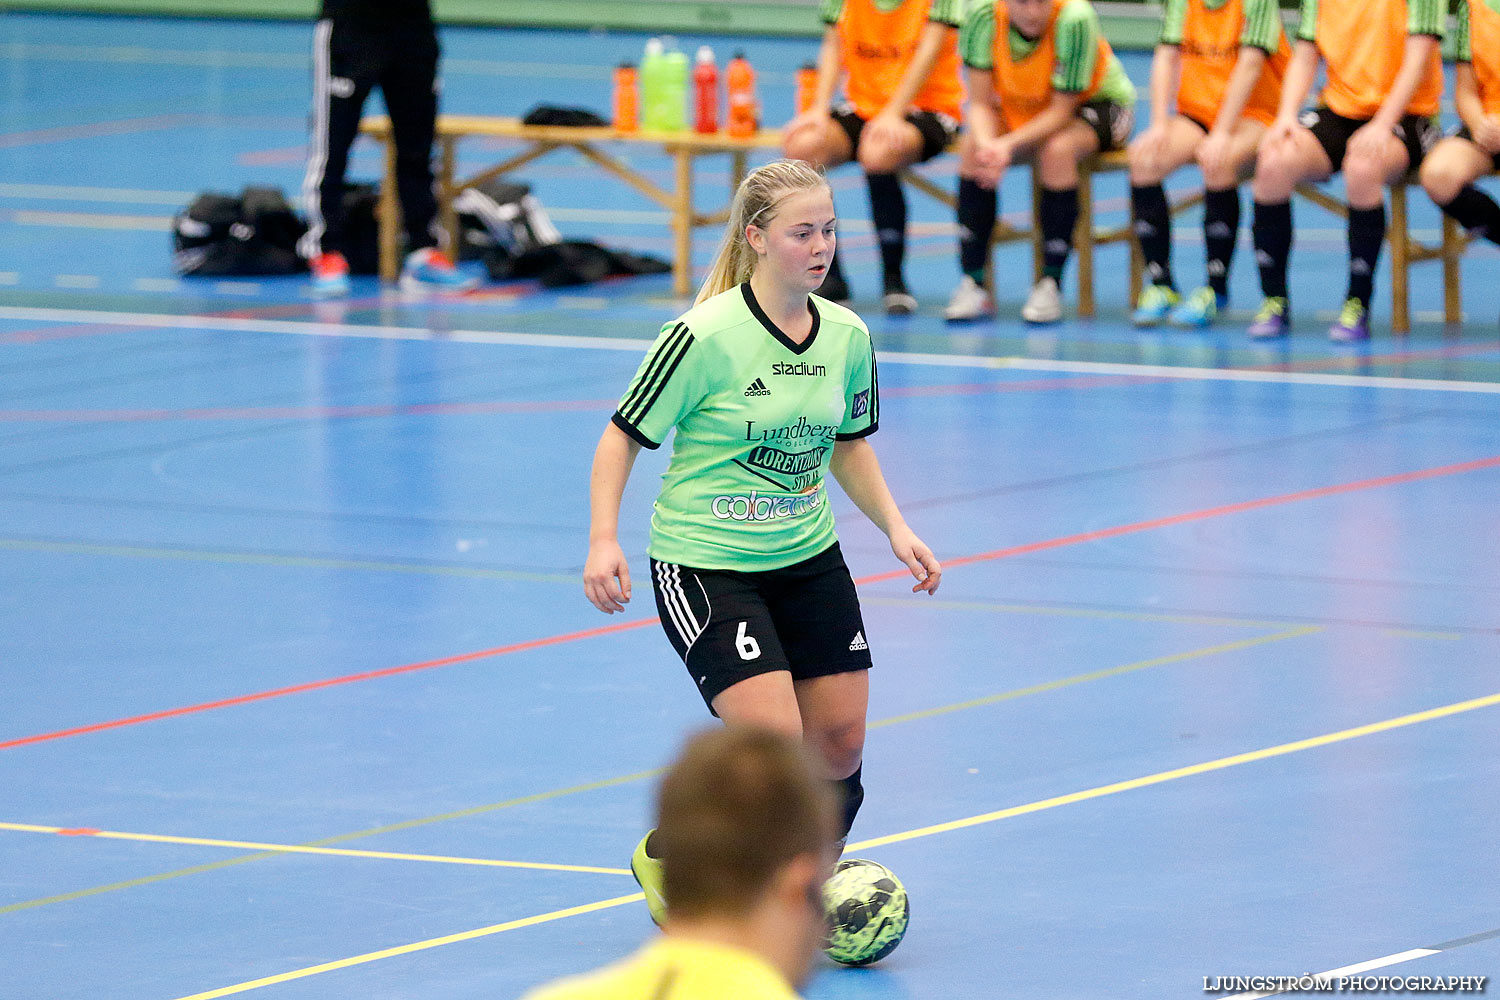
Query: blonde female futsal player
[(768, 387)]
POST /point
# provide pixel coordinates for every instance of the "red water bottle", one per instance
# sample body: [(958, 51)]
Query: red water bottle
[(706, 92), (627, 98), (807, 87), (744, 113)]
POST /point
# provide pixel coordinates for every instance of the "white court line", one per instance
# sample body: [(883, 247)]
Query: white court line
[(9, 277), (1349, 970), (632, 344), (92, 220), (141, 196)]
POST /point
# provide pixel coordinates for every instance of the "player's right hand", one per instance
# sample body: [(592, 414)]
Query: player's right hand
[(606, 577)]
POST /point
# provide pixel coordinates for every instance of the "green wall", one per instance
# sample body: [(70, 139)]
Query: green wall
[(1129, 24)]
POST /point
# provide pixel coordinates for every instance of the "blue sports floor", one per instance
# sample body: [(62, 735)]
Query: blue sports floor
[(301, 697)]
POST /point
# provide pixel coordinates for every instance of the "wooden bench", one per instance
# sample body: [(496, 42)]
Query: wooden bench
[(1405, 249), (686, 147), (683, 147)]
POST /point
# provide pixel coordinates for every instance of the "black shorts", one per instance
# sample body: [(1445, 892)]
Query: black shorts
[(1111, 122), (938, 130), (1333, 132), (729, 626), (1464, 134)]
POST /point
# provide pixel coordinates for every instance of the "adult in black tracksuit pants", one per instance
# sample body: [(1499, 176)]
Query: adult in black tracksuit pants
[(357, 46)]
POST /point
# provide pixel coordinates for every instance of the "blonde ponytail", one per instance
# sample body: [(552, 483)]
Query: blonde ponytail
[(754, 203)]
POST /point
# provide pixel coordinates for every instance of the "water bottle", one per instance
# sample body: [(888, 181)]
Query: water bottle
[(807, 87), (653, 86), (627, 98), (744, 113), (675, 90), (705, 92)]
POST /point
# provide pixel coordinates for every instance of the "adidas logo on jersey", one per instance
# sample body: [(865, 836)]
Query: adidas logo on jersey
[(859, 642), (757, 388)]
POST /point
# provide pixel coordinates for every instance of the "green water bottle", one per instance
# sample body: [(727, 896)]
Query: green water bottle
[(675, 89), (653, 86)]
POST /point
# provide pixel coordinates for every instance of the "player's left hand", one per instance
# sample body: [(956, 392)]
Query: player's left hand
[(918, 558), (885, 128), (1369, 142), (1213, 153)]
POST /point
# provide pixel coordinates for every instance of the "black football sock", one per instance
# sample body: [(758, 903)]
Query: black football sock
[(888, 213), (1272, 231), (1153, 229), (1221, 229), (1366, 233), (976, 224), (1476, 212), (1059, 216)]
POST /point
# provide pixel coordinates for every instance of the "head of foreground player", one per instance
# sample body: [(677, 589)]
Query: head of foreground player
[(780, 237), (745, 821)]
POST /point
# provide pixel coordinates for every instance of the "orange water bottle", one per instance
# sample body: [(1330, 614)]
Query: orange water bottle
[(744, 113), (807, 87), (705, 92), (627, 98)]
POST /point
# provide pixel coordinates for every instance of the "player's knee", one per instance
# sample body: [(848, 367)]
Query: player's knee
[(1365, 177), (807, 144), (1142, 170), (841, 744), (1442, 180), (1057, 161)]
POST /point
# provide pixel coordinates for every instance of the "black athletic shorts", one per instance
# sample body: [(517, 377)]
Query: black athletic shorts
[(1464, 133), (938, 130), (1333, 132), (1111, 122), (728, 626)]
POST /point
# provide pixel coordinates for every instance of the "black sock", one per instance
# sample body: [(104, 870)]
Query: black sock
[(1272, 230), (888, 213), (851, 792), (1221, 228), (1059, 216), (1476, 212), (1366, 233), (1153, 229), (976, 224)]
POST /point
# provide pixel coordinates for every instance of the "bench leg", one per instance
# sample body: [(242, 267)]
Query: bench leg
[(390, 212), (1453, 248), (1036, 227), (1083, 240), (1400, 240), (682, 225), (447, 214)]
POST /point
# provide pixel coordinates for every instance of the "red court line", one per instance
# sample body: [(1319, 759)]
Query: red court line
[(329, 682), (556, 640), (1208, 512)]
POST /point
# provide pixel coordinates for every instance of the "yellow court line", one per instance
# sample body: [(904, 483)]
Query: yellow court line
[(271, 850), (926, 831), (337, 838), (248, 845), (407, 949), (1185, 772), (1052, 610), (1159, 661)]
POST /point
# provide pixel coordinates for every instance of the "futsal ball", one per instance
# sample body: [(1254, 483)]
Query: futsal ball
[(867, 912)]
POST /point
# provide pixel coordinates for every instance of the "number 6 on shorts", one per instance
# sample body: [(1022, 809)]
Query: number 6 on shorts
[(748, 648)]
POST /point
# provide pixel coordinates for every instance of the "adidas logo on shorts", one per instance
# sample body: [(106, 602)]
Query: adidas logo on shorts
[(859, 642), (757, 388)]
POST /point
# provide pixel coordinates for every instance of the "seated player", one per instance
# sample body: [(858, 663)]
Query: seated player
[(1224, 59), (1375, 119), (1450, 170), (1045, 88), (744, 828), (904, 98)]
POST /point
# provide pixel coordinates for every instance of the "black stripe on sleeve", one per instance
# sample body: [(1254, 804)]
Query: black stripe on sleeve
[(667, 376), (634, 434), (654, 378)]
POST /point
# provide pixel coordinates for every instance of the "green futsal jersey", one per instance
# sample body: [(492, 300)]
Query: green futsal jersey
[(757, 416)]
